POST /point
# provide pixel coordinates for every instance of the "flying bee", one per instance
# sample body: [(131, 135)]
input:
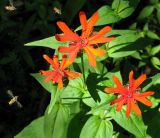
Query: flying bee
[(10, 7), (56, 10), (14, 99)]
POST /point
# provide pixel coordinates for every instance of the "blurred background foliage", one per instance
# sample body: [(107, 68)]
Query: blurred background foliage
[(23, 21)]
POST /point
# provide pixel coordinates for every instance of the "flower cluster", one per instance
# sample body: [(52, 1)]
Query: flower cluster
[(88, 42)]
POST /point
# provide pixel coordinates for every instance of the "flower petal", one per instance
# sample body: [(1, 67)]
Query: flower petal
[(49, 75), (65, 49), (136, 108), (60, 83), (63, 62), (94, 18), (96, 51), (111, 90), (144, 94), (117, 100), (131, 79), (91, 57), (101, 40), (56, 62), (119, 105), (101, 33), (144, 101), (64, 37), (139, 81), (117, 82), (128, 108), (83, 21), (74, 53), (72, 75), (68, 31), (52, 62)]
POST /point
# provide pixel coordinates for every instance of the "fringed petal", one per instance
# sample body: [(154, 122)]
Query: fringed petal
[(71, 74), (96, 51), (50, 61), (131, 79), (91, 57), (101, 40), (119, 105), (68, 31), (128, 108), (94, 18), (144, 94), (144, 101), (83, 21), (139, 81), (101, 33), (136, 108)]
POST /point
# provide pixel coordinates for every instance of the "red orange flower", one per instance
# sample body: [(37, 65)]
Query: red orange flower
[(86, 41), (59, 70), (129, 95)]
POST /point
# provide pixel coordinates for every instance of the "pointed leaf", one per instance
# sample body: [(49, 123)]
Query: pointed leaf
[(146, 12), (133, 123), (56, 122), (33, 130), (124, 8), (96, 127), (49, 42), (48, 86)]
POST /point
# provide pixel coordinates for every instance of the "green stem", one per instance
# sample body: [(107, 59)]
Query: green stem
[(77, 97), (102, 71), (82, 62)]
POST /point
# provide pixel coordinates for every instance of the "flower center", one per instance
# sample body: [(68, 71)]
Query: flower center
[(84, 42), (129, 95), (59, 73)]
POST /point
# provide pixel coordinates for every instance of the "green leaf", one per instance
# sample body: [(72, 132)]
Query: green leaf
[(49, 42), (53, 89), (152, 83), (107, 16), (96, 127), (93, 85), (100, 108), (56, 122), (74, 91), (54, 98), (99, 69), (48, 86), (156, 62), (109, 82), (120, 32), (126, 45), (152, 35), (124, 8), (155, 102), (33, 130), (146, 12), (133, 123), (155, 50)]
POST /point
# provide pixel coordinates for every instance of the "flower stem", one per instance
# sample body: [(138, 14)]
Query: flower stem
[(83, 72), (77, 97)]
